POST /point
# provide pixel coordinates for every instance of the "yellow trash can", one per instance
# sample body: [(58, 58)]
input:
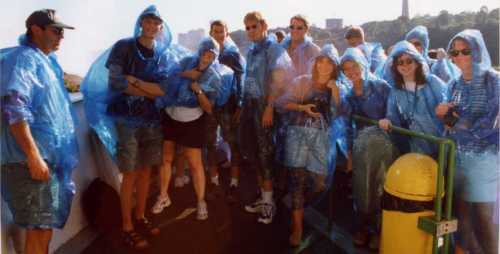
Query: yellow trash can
[(409, 191)]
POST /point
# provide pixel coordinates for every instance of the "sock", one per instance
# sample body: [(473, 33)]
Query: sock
[(234, 182), (215, 180), (267, 197)]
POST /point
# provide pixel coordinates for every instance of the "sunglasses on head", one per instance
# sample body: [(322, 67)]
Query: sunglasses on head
[(248, 28), (455, 53), (296, 27), (404, 62)]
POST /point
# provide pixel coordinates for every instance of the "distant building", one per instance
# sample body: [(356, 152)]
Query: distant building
[(406, 10), (191, 39), (334, 24)]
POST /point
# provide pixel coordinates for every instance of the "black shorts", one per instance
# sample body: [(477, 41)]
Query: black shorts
[(188, 134)]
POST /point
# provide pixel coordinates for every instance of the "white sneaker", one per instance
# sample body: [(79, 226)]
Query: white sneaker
[(255, 207), (267, 212), (201, 211), (179, 182), (161, 203)]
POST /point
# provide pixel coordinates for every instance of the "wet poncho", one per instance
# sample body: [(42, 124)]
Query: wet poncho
[(230, 56), (477, 130), (311, 143), (263, 58), (32, 90), (216, 81), (443, 68), (374, 53), (373, 151), (415, 110), (103, 86), (302, 56)]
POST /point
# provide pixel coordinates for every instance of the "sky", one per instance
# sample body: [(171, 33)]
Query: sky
[(100, 23)]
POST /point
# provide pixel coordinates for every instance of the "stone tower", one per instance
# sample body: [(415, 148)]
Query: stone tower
[(406, 9)]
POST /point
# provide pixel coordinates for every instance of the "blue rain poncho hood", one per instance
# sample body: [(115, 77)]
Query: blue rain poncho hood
[(330, 51), (481, 60), (421, 34), (403, 47), (32, 90), (164, 39), (97, 89), (355, 55), (302, 56), (443, 68), (216, 81)]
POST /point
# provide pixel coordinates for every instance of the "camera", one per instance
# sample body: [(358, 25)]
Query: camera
[(451, 118)]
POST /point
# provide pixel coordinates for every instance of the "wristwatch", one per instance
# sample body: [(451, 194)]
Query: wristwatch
[(199, 92)]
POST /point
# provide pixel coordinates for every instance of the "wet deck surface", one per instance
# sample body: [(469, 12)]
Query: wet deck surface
[(229, 228)]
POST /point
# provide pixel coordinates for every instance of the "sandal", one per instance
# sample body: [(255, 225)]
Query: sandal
[(134, 240), (146, 227), (360, 238)]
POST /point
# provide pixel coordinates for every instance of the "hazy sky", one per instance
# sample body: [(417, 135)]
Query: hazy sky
[(99, 23)]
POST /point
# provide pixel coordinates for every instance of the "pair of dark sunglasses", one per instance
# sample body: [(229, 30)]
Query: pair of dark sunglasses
[(248, 28), (455, 53), (404, 62), (56, 30), (296, 27)]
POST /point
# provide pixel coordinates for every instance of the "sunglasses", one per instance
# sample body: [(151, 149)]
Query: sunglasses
[(404, 62), (296, 27), (57, 30), (455, 53), (252, 27)]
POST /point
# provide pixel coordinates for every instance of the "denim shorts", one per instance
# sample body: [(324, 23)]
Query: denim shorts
[(477, 176), (36, 204), (139, 147)]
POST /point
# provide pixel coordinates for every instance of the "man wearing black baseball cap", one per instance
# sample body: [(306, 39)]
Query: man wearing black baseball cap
[(45, 30), (39, 148)]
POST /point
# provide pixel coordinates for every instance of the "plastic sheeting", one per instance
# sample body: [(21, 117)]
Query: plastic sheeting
[(416, 110), (231, 57), (302, 56), (375, 54), (32, 90), (97, 90), (311, 143), (443, 68), (216, 81)]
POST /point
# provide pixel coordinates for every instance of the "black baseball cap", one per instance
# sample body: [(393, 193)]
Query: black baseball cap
[(45, 17)]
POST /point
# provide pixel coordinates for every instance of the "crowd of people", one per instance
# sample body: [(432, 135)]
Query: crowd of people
[(285, 107)]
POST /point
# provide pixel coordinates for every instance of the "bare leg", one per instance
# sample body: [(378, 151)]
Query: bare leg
[(180, 165), (487, 232), (142, 188), (126, 191), (37, 241), (297, 226), (468, 237), (193, 156), (166, 167)]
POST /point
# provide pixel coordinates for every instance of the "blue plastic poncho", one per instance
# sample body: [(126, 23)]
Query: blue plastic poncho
[(262, 58), (216, 81), (477, 100), (374, 53), (103, 86), (415, 110), (311, 143), (32, 90), (230, 56), (372, 151), (302, 56), (442, 68)]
